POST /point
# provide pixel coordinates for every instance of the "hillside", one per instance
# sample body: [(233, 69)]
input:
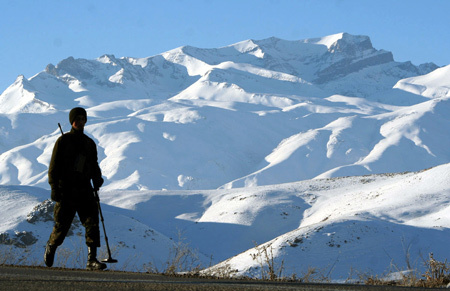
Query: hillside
[(360, 224)]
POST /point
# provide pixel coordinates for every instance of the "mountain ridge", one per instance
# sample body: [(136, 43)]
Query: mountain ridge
[(344, 46), (257, 96)]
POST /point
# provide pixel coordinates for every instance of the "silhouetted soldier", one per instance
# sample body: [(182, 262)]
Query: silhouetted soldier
[(74, 164)]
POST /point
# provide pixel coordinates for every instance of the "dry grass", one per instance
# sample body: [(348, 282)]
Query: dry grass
[(436, 275), (182, 259), (270, 270)]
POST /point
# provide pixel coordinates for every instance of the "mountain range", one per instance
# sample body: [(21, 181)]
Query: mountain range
[(272, 123)]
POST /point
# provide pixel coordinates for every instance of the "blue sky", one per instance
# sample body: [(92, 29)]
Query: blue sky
[(36, 33)]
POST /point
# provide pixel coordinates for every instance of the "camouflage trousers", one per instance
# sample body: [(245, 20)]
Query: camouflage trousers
[(64, 214)]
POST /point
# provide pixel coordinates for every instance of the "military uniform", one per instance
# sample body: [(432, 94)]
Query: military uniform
[(74, 164), (72, 167)]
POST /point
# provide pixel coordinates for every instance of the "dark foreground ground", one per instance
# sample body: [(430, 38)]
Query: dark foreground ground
[(39, 278)]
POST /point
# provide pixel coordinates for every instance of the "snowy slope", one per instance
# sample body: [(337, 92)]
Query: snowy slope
[(365, 224), (27, 217), (433, 85), (359, 223)]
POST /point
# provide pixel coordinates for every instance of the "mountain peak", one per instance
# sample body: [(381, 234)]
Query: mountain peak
[(20, 79), (20, 97), (351, 43), (20, 83), (328, 41), (107, 59), (79, 68)]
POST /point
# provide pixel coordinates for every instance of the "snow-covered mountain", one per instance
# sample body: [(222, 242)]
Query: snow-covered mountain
[(195, 128), (252, 113)]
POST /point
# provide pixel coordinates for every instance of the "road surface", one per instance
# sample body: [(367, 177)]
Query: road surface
[(40, 278)]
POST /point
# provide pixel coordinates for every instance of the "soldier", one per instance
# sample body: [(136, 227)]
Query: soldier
[(74, 164)]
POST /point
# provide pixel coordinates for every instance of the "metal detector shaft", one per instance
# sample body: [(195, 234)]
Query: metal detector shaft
[(110, 259)]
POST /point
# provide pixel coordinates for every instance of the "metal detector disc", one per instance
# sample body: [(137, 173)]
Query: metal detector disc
[(110, 261)]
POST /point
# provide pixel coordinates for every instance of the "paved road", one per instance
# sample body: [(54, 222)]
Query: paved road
[(39, 278)]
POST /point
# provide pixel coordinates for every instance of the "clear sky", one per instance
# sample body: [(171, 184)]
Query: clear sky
[(36, 33)]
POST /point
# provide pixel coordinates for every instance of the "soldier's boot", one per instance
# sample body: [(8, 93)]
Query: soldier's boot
[(92, 263), (49, 254)]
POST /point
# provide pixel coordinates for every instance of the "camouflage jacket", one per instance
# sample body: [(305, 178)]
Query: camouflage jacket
[(74, 164)]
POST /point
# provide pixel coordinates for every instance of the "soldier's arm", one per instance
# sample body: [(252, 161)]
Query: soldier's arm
[(54, 172), (97, 173)]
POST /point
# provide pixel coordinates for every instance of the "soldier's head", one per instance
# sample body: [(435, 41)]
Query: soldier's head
[(78, 118)]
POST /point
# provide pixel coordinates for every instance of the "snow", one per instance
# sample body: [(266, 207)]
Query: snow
[(433, 85), (315, 148), (359, 222), (330, 40)]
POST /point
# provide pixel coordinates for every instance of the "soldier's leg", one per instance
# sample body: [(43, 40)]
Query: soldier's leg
[(63, 215), (88, 214)]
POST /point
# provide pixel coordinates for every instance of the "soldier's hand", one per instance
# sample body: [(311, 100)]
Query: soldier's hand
[(97, 198), (98, 183)]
